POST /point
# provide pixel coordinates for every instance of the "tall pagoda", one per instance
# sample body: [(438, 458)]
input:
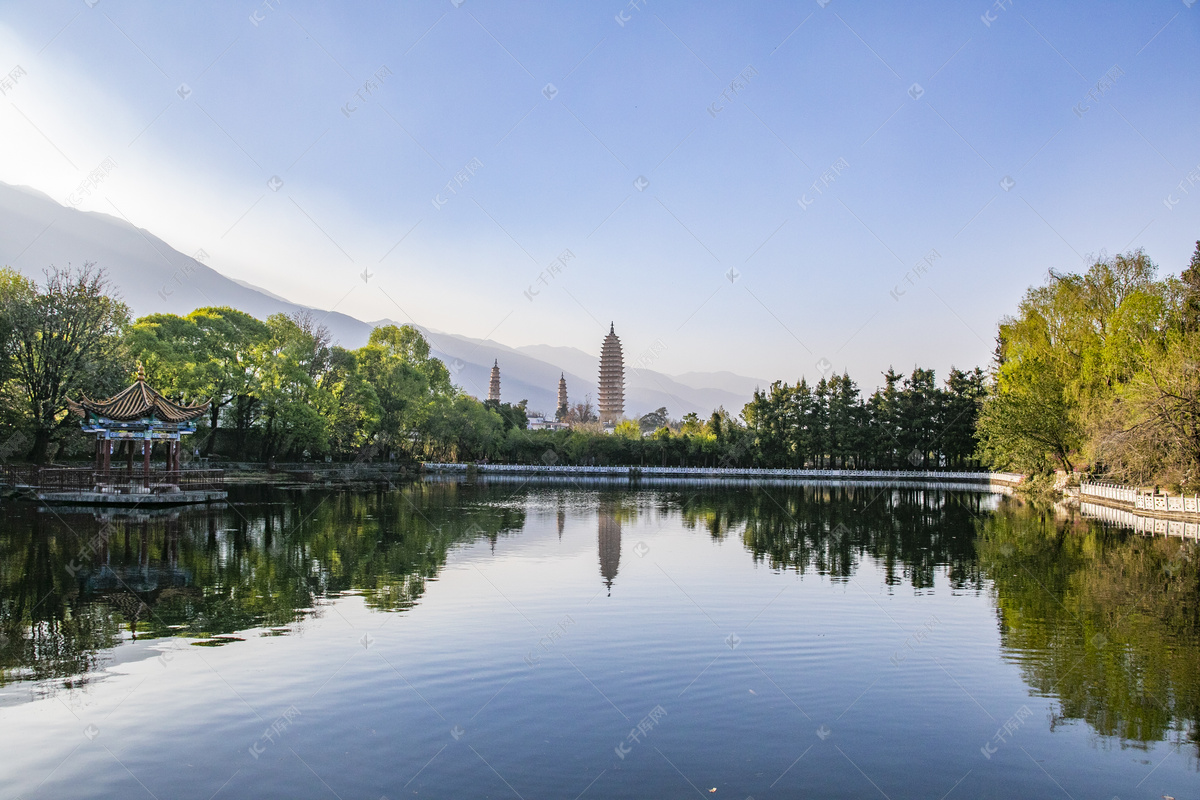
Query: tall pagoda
[(611, 398), (494, 385), (134, 419), (562, 396)]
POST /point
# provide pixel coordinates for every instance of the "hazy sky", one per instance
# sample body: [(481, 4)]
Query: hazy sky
[(762, 188)]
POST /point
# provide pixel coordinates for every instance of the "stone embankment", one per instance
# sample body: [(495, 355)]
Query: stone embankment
[(730, 473)]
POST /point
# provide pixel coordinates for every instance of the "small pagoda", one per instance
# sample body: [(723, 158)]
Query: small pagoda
[(132, 421)]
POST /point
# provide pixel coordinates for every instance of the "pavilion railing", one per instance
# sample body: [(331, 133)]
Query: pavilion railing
[(115, 481)]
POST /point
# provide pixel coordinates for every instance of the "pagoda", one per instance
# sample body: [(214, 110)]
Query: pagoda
[(494, 384), (561, 414), (611, 400)]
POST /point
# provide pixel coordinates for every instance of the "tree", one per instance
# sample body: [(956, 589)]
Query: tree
[(1028, 424), (211, 354), (654, 420), (65, 339), (296, 405), (1191, 279)]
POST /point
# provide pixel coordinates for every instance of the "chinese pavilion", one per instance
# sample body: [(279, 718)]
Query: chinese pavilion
[(134, 419)]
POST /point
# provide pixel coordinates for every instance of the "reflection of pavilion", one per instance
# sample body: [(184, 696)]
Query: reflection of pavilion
[(610, 544)]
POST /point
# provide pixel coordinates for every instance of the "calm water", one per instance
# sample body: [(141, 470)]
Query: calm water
[(461, 641)]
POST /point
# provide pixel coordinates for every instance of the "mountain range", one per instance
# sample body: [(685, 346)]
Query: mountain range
[(153, 277)]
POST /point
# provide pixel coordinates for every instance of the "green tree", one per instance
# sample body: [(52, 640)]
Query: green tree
[(65, 339)]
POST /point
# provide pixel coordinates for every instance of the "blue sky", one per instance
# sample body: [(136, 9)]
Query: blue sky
[(772, 189)]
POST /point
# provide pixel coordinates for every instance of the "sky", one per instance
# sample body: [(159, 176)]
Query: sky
[(774, 189)]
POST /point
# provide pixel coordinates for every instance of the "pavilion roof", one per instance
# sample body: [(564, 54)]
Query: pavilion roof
[(137, 402)]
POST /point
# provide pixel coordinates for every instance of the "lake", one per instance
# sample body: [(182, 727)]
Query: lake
[(498, 639)]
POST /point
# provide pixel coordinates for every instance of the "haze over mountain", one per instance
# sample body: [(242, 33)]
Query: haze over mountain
[(153, 277)]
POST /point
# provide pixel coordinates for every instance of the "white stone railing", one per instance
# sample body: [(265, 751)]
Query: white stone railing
[(1141, 500), (734, 472)]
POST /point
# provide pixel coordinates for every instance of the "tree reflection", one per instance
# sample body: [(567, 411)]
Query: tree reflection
[(72, 583), (1108, 622)]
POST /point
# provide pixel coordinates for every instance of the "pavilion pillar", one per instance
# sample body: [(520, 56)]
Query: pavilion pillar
[(105, 453), (129, 458), (147, 444), (98, 458)]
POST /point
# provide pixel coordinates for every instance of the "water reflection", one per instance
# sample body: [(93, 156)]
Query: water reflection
[(609, 542), (1106, 622)]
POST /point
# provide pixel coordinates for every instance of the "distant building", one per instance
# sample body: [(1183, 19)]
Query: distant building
[(562, 396), (540, 423), (611, 400), (494, 386)]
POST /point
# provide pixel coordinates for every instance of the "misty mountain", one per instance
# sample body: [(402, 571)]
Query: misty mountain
[(153, 277)]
